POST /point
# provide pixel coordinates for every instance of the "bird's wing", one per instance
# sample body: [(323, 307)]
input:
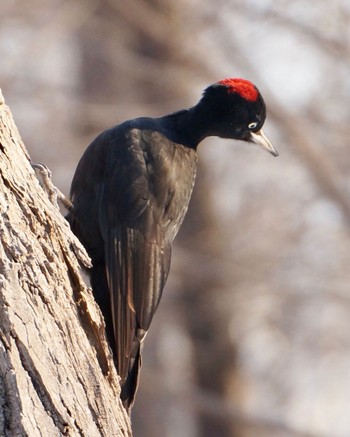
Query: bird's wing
[(137, 256)]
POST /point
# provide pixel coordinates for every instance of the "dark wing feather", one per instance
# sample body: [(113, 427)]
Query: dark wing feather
[(137, 256)]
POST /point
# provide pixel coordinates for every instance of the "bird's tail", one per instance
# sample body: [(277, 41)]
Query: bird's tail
[(101, 293), (129, 387)]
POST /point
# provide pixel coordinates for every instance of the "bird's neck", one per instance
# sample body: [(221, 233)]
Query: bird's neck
[(189, 126)]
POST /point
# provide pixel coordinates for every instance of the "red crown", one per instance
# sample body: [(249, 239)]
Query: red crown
[(243, 87)]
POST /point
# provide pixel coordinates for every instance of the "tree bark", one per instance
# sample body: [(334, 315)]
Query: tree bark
[(56, 372)]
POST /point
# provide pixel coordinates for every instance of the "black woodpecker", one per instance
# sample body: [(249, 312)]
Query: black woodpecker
[(130, 194)]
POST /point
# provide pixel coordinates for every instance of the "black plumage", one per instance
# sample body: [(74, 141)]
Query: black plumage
[(130, 194)]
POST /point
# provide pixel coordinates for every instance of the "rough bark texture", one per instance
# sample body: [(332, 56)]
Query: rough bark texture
[(56, 372)]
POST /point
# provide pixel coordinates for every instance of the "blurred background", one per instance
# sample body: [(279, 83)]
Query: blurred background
[(252, 337)]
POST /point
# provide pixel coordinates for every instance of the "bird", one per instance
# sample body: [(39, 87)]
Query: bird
[(130, 194)]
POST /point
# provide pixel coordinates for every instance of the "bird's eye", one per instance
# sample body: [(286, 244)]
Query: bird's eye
[(252, 125)]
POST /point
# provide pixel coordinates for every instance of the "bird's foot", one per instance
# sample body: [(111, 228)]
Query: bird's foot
[(55, 195)]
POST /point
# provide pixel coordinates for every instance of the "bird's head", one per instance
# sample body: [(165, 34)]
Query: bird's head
[(234, 108)]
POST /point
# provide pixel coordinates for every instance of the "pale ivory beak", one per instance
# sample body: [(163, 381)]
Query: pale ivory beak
[(260, 139)]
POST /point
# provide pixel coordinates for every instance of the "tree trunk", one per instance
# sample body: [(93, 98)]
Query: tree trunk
[(56, 372)]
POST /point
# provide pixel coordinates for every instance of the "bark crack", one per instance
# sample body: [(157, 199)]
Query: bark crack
[(40, 388), (10, 401)]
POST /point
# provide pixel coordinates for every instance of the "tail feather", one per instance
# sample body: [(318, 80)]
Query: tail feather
[(129, 387), (101, 292)]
